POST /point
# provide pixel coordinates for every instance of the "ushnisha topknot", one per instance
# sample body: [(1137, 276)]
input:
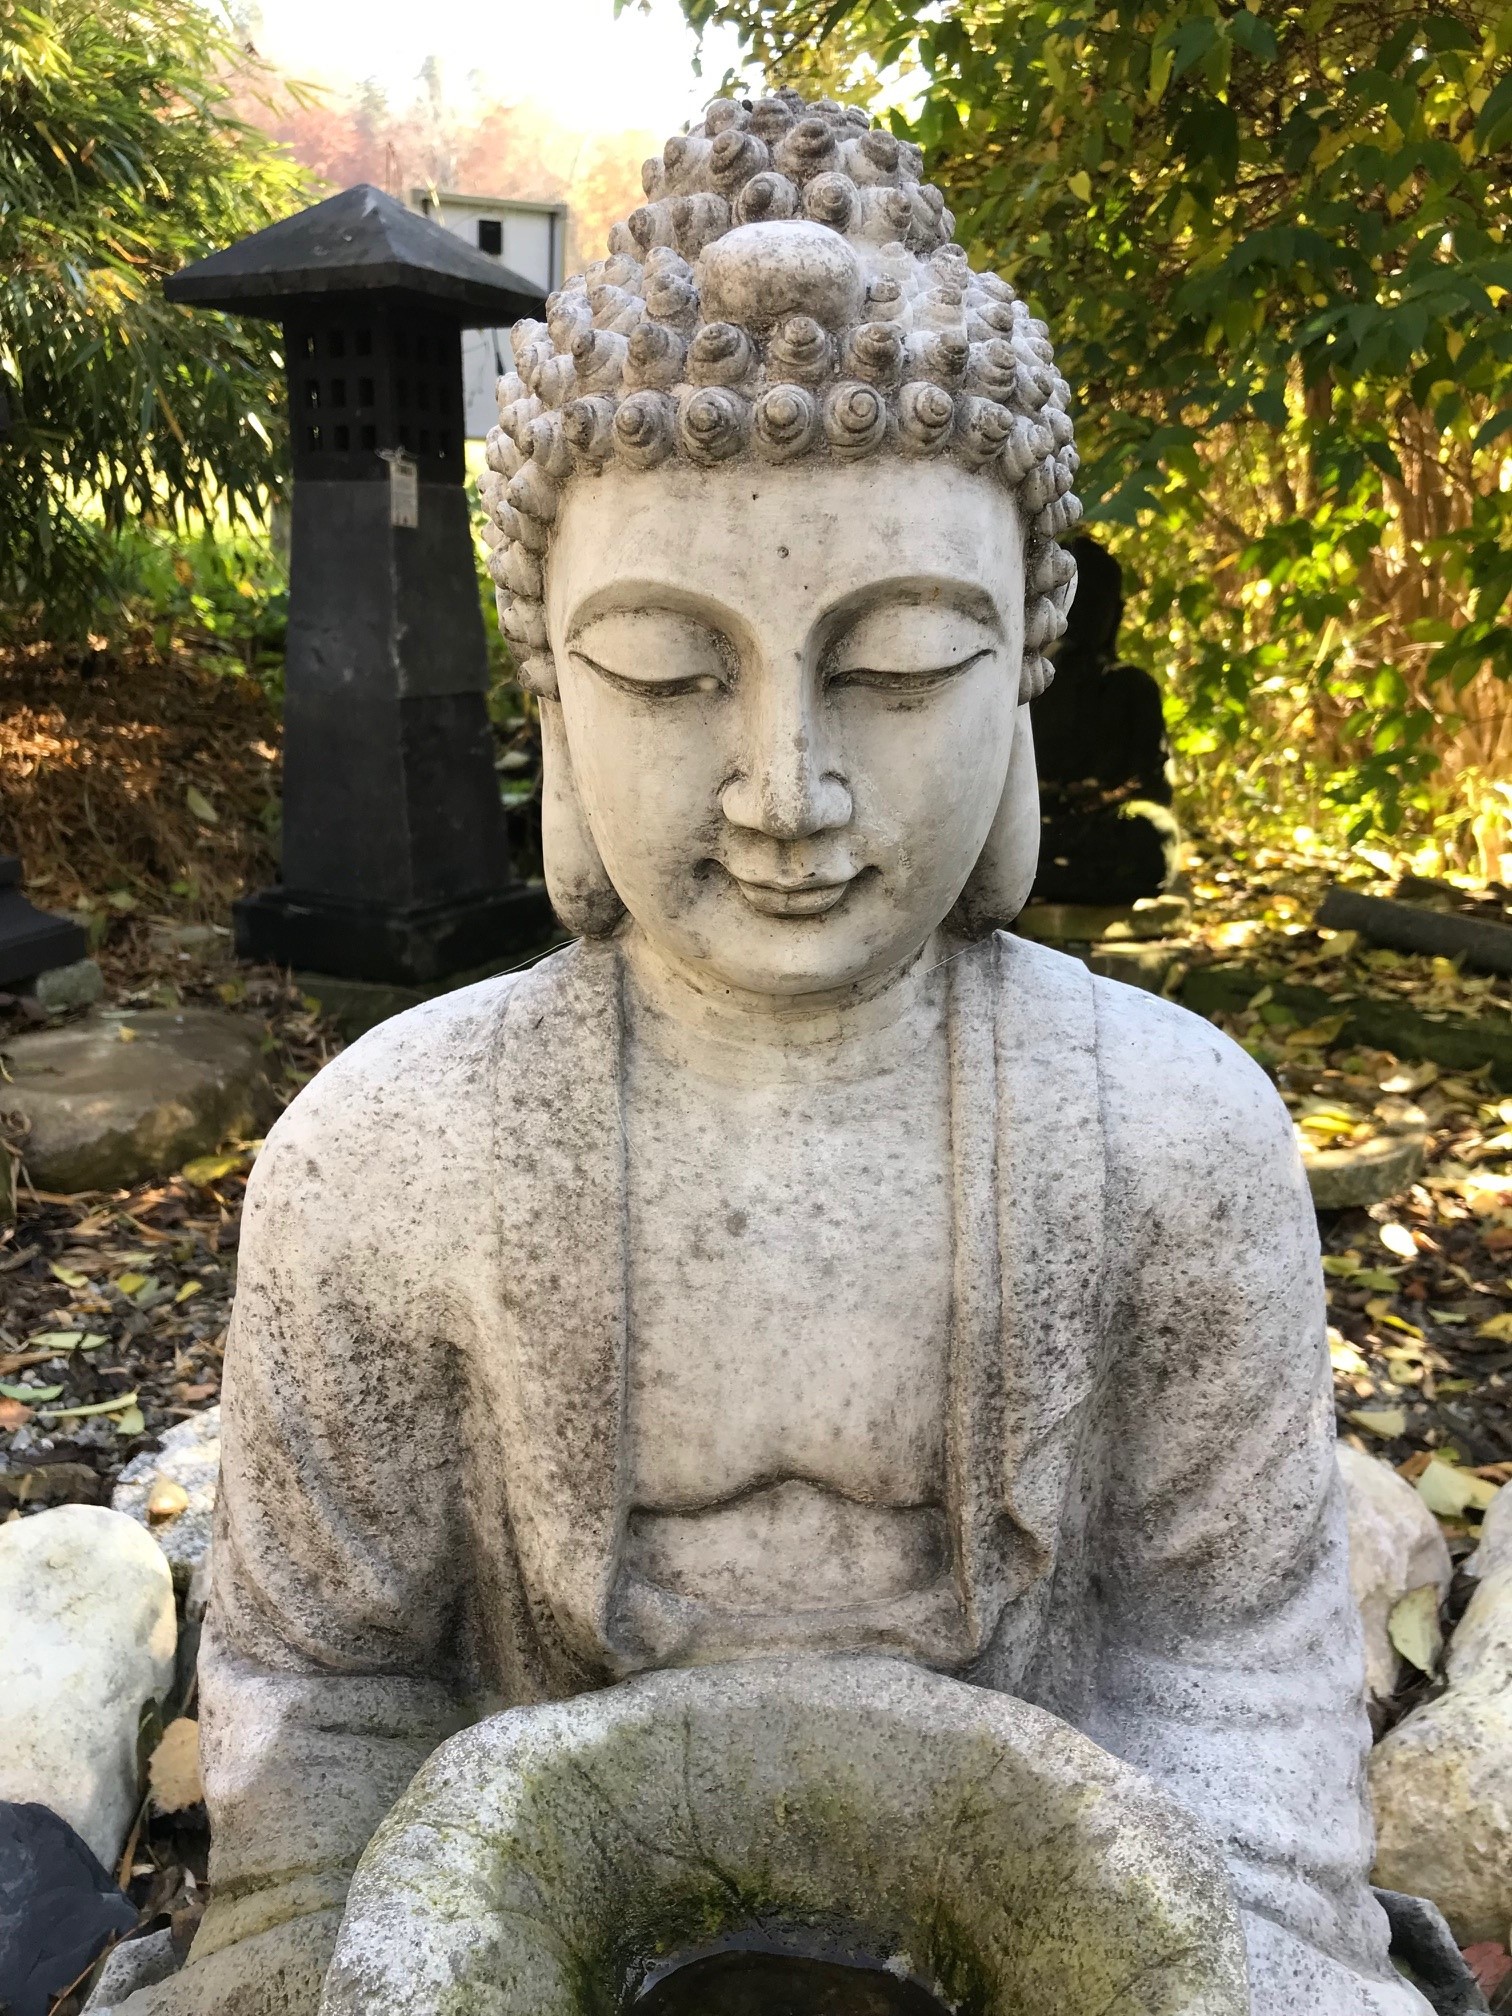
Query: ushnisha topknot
[(788, 288)]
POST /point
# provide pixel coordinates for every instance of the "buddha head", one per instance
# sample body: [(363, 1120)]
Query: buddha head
[(773, 504)]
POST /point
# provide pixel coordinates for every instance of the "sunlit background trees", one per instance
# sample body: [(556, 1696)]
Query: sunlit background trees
[(1270, 240), (122, 156)]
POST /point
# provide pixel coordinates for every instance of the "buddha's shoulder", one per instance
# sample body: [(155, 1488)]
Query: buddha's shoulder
[(406, 1069), (426, 1082), (1185, 1109), (1177, 1095)]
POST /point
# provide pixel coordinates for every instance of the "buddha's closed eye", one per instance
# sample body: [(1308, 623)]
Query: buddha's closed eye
[(659, 653), (909, 647), (902, 648)]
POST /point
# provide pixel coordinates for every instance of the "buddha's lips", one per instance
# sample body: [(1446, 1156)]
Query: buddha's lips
[(792, 899)]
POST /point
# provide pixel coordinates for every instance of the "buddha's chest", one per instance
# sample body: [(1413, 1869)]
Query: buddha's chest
[(789, 1287)]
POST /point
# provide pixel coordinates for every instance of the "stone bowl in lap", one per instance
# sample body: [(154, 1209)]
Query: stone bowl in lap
[(552, 1860)]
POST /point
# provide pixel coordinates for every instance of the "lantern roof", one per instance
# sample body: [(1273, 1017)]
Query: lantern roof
[(360, 242)]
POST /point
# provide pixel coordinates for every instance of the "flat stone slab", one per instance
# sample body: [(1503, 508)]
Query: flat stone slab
[(122, 1096), (1384, 1022), (1094, 923), (1371, 1171)]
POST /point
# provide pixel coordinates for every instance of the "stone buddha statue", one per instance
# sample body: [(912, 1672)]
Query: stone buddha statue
[(795, 1263)]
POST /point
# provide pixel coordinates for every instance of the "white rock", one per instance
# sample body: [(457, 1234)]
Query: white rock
[(1395, 1546), (189, 1455), (1495, 1549), (89, 1639), (1441, 1782)]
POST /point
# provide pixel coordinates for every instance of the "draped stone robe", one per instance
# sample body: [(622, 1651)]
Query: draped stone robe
[(425, 1471)]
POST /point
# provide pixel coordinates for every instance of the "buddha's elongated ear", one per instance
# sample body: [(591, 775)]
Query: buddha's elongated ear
[(582, 895), (998, 887)]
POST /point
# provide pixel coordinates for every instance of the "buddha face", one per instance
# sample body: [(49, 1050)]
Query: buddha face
[(789, 696)]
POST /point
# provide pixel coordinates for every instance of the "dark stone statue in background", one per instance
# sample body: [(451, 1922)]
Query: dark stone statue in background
[(1107, 834)]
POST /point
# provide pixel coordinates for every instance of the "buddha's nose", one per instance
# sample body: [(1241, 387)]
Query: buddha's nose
[(786, 789)]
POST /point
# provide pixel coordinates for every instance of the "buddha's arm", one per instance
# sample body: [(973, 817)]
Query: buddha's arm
[(340, 1555), (1232, 1665)]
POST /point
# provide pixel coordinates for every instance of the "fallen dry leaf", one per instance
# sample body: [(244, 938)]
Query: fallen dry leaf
[(174, 1772), (1415, 1630), (211, 1168), (1490, 1963), (166, 1499), (1451, 1492), (1387, 1422)]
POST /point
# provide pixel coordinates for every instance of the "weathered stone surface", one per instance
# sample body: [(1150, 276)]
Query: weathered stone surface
[(136, 1963), (976, 1842), (122, 1096), (1395, 1546), (1495, 1549), (189, 1456), (62, 987), (1441, 1781), (88, 1639)]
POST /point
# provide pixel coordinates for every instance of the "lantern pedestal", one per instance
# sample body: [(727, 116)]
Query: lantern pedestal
[(395, 865), (404, 948)]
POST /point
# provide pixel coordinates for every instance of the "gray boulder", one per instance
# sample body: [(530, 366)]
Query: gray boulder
[(117, 1097)]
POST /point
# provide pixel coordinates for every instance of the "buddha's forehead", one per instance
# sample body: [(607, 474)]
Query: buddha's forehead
[(780, 544)]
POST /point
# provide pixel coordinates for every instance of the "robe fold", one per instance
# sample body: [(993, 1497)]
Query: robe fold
[(424, 1488)]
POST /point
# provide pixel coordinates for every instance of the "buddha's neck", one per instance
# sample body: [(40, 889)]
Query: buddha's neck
[(719, 1031)]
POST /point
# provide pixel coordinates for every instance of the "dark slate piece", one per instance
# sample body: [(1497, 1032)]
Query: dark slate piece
[(1421, 1937), (59, 1908), (359, 242), (32, 941)]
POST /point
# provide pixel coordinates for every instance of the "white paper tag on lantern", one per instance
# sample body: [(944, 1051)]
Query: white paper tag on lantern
[(404, 490)]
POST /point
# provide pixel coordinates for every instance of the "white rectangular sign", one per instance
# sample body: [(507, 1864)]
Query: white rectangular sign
[(404, 490)]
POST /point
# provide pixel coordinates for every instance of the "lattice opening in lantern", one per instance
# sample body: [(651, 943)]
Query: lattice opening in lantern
[(408, 395)]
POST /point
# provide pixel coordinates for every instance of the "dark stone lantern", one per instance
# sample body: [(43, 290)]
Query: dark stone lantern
[(395, 862)]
